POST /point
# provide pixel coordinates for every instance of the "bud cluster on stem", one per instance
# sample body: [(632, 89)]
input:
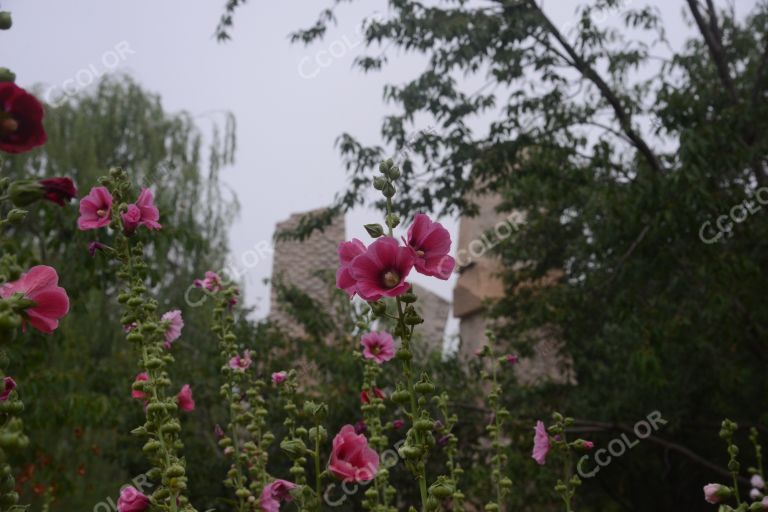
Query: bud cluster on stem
[(162, 428)]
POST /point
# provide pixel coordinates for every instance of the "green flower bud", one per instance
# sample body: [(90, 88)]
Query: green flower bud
[(379, 183), (393, 172), (441, 490), (6, 75), (5, 20), (25, 192), (374, 230), (293, 447), (388, 190), (151, 446), (175, 470), (17, 215)]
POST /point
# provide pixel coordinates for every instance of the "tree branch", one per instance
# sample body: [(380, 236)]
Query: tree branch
[(624, 118), (715, 47)]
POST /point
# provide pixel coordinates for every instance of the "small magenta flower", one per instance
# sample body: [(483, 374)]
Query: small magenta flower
[(41, 286), (348, 251), (716, 493), (8, 386), (142, 213), (430, 243), (512, 359), (274, 493), (94, 247), (218, 431), (279, 377), (588, 445), (241, 364), (360, 427), (364, 398), (541, 443), (95, 209), (381, 271), (211, 282), (398, 424), (175, 324), (352, 460), (379, 346), (140, 395), (132, 500), (185, 400), (757, 482)]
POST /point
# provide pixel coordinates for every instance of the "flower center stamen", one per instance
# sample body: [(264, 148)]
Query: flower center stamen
[(8, 126), (391, 279), (420, 254), (101, 213)]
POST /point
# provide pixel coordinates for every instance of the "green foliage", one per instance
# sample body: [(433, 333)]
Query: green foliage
[(618, 152)]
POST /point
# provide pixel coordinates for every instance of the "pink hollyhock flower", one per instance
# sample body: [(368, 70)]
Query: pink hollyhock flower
[(588, 445), (347, 252), (379, 346), (541, 444), (142, 213), (430, 243), (382, 269), (8, 385), (755, 494), (218, 431), (398, 424), (211, 282), (757, 482), (95, 209), (352, 460), (716, 493), (512, 359), (241, 363), (129, 327), (173, 331), (185, 400), (142, 377), (279, 377), (132, 500), (274, 493), (58, 190), (40, 285)]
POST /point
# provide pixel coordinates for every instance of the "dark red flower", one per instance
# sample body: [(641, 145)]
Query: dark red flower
[(21, 120), (59, 190)]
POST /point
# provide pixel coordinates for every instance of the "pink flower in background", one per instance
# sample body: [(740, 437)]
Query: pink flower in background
[(8, 385), (94, 247), (757, 482), (241, 363), (40, 285), (398, 424), (58, 190), (132, 500), (352, 460), (185, 400), (381, 271), (279, 377), (541, 444), (175, 324), (430, 243), (142, 213), (379, 346), (142, 377), (360, 427), (588, 445), (129, 327), (211, 282), (512, 359), (348, 251), (274, 493), (716, 493), (95, 209)]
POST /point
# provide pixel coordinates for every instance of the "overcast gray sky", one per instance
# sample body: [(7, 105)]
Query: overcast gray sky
[(291, 102)]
